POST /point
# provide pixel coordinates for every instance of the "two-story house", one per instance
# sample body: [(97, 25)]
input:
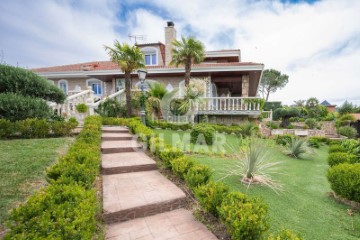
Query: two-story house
[(231, 85)]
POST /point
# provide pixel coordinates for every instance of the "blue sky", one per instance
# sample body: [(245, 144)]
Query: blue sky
[(317, 43)]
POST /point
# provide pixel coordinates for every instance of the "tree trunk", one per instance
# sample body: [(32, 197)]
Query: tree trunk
[(128, 93), (187, 72), (267, 94)]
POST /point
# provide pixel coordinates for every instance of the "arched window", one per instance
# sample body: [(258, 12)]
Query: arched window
[(63, 84), (150, 55), (95, 85)]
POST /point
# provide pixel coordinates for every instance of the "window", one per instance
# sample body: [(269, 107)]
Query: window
[(63, 85), (95, 85), (150, 55)]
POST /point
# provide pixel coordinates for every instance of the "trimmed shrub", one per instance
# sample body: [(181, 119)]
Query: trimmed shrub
[(81, 108), (336, 148), (56, 212), (18, 107), (24, 82), (157, 145), (347, 131), (336, 158), (63, 128), (345, 180), (180, 166), (197, 175), (6, 128), (115, 121), (243, 217), (320, 139), (169, 154), (33, 128), (285, 234), (202, 130), (211, 196)]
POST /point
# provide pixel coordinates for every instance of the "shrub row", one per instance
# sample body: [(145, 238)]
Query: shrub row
[(244, 129), (67, 207), (344, 172), (168, 125), (36, 128), (245, 218)]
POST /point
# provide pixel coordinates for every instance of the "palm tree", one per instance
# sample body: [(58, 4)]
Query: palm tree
[(129, 58), (187, 51)]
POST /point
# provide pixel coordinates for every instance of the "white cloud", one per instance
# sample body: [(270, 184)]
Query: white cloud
[(49, 33), (317, 45), (302, 40)]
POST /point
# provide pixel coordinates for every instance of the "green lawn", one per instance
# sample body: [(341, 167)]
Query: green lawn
[(22, 168), (303, 205)]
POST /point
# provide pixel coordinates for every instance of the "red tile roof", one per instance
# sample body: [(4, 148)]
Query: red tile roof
[(108, 65)]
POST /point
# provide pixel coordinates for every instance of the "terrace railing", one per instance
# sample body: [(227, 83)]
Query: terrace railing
[(229, 104)]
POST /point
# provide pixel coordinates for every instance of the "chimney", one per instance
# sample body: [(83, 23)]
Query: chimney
[(170, 36)]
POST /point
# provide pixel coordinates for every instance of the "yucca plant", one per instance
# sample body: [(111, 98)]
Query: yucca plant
[(248, 129), (254, 166), (297, 148)]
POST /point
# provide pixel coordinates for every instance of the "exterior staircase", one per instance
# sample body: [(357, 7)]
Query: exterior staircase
[(139, 202)]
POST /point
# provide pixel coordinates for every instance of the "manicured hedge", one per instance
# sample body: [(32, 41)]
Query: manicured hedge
[(336, 158), (336, 148), (36, 128), (67, 208), (244, 217), (211, 196), (345, 180), (24, 82)]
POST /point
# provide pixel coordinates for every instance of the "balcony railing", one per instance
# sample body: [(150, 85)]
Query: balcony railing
[(230, 104)]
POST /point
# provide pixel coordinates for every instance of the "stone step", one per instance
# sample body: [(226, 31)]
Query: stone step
[(120, 146), (138, 194), (106, 136), (177, 224), (114, 129), (126, 162)]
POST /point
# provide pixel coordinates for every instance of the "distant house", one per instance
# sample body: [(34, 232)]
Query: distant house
[(230, 85), (330, 107)]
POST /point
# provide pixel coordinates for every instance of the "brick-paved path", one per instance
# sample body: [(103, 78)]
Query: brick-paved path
[(138, 202)]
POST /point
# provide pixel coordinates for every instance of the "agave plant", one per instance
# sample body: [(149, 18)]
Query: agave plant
[(254, 167), (297, 148)]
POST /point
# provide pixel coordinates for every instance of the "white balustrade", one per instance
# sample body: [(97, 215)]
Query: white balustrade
[(229, 104)]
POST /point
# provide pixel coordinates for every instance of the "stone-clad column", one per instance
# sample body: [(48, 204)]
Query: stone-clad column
[(245, 86)]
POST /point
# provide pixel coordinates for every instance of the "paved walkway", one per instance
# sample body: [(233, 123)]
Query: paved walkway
[(139, 202)]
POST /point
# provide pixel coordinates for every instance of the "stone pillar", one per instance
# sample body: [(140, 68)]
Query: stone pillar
[(245, 86), (170, 36)]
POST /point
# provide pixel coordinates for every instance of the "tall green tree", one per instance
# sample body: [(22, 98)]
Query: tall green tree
[(186, 52), (271, 81), (129, 58)]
